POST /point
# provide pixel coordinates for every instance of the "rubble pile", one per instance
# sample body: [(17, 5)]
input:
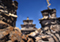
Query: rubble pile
[(10, 34), (39, 36)]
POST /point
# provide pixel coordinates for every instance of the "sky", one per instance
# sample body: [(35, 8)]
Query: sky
[(32, 9)]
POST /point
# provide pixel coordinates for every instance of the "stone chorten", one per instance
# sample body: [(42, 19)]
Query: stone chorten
[(28, 26), (50, 23), (49, 19), (8, 12)]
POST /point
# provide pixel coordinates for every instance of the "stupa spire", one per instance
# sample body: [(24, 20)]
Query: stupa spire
[(27, 18)]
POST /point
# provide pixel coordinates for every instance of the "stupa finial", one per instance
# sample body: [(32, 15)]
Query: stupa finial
[(27, 18)]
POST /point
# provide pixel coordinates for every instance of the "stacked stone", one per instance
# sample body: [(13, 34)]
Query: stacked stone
[(8, 11), (8, 31), (28, 26)]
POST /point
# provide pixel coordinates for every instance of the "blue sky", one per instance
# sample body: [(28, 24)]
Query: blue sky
[(32, 9)]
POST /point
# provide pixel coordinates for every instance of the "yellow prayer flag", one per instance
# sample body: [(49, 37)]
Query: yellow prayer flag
[(48, 3)]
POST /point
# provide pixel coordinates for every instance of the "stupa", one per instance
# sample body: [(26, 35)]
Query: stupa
[(28, 26)]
